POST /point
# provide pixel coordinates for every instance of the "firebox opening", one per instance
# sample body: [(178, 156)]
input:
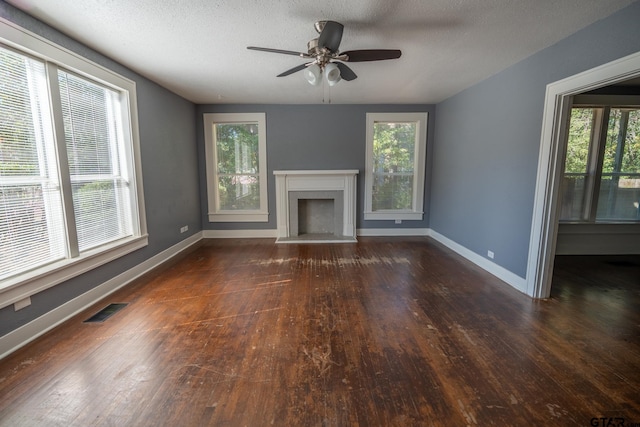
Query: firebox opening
[(316, 216)]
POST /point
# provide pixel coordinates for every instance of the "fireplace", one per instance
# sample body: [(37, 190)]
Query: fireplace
[(316, 206)]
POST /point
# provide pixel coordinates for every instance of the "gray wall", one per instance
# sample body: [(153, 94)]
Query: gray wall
[(170, 176), (488, 136), (313, 137), (598, 239)]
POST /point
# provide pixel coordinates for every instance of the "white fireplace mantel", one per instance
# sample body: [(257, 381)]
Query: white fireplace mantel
[(316, 180)]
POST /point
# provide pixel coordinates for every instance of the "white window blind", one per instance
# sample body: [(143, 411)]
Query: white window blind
[(97, 164), (71, 196), (31, 221)]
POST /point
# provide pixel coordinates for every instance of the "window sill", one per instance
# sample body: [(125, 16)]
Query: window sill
[(239, 217), (30, 283), (393, 215)]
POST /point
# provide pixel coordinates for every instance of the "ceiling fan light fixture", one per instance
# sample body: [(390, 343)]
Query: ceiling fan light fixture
[(313, 74), (332, 73)]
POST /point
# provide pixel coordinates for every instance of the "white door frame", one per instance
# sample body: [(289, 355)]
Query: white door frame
[(544, 227)]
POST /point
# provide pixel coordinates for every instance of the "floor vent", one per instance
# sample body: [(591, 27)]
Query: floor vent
[(106, 312)]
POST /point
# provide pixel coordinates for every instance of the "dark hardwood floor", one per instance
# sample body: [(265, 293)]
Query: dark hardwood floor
[(385, 332)]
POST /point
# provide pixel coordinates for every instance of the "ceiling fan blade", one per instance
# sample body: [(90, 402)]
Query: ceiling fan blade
[(331, 36), (285, 52), (346, 73), (293, 70), (370, 55)]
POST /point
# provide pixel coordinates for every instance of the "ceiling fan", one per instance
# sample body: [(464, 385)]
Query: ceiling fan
[(327, 58)]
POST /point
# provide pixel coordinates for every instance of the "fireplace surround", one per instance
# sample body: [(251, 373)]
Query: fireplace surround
[(327, 198)]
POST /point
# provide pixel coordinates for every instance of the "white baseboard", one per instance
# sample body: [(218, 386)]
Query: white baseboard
[(500, 272), (240, 234), (273, 233), (37, 327), (392, 232)]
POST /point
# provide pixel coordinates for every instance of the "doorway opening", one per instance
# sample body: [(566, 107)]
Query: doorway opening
[(558, 101)]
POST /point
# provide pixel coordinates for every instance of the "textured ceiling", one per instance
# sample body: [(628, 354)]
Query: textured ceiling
[(197, 48)]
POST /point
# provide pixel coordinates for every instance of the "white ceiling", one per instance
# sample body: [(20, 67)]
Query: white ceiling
[(197, 48)]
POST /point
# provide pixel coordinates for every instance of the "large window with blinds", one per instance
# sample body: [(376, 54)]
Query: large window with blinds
[(96, 156), (32, 229), (70, 183)]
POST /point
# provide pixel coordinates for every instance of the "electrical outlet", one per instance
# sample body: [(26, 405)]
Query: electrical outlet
[(490, 254), (184, 229)]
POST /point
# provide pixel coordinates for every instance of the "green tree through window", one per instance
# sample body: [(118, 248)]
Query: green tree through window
[(393, 165), (237, 162), (602, 172)]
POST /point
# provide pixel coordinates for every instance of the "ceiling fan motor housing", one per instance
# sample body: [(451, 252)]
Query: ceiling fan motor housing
[(313, 48), (322, 54)]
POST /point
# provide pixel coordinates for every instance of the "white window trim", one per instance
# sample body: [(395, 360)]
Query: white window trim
[(215, 213), (421, 119), (24, 285)]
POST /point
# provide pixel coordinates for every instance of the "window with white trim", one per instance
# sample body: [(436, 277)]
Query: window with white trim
[(70, 180), (236, 161), (601, 182), (395, 167)]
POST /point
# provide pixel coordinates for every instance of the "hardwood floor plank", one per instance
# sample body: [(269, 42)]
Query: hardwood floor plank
[(383, 332)]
